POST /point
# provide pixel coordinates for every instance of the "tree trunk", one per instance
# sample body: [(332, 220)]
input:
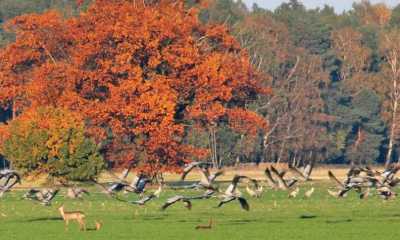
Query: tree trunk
[(392, 131)]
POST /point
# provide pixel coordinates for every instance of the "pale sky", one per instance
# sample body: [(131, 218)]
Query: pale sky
[(339, 5)]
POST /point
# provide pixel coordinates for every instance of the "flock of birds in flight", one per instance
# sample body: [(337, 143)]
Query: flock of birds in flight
[(360, 179)]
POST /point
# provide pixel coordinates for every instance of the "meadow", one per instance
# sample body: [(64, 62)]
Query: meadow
[(273, 216)]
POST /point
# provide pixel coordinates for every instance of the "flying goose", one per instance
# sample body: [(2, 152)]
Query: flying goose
[(44, 196), (76, 192), (207, 179), (304, 173), (138, 184), (189, 167), (282, 183), (145, 199), (232, 194), (10, 178), (270, 180), (175, 199)]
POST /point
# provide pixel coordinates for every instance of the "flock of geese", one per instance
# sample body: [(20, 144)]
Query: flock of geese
[(363, 180)]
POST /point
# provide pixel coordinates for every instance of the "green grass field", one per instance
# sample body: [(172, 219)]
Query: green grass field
[(274, 216)]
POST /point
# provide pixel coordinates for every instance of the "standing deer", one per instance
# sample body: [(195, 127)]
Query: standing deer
[(76, 215)]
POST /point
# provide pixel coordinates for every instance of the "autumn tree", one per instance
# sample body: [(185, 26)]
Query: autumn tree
[(390, 48), (141, 74)]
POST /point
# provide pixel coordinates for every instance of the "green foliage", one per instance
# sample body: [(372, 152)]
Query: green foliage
[(42, 142), (358, 122)]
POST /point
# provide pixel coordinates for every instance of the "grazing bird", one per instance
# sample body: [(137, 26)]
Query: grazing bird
[(304, 173), (294, 193), (44, 196), (335, 194), (232, 194), (309, 193), (258, 189), (76, 215), (75, 192), (175, 199), (208, 226)]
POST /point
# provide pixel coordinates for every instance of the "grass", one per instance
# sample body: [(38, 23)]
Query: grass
[(274, 216)]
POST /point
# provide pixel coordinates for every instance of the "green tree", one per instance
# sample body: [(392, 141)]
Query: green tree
[(51, 140)]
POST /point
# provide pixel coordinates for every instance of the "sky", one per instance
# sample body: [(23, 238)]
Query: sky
[(339, 5)]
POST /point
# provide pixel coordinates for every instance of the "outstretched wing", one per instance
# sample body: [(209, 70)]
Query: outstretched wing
[(188, 169), (215, 175), (281, 181), (308, 170), (335, 180), (297, 172), (143, 200), (244, 204), (171, 201), (270, 180)]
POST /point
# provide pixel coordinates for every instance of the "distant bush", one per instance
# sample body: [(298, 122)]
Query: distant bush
[(51, 140)]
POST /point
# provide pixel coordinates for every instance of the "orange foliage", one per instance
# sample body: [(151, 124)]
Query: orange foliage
[(136, 72)]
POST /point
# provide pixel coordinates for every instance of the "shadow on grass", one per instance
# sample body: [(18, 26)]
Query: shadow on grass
[(44, 219), (241, 221), (338, 221), (308, 216)]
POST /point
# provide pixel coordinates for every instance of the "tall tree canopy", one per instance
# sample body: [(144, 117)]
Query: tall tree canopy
[(140, 73)]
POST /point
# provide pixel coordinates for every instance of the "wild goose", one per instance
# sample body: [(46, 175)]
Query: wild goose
[(388, 175), (232, 194), (44, 196), (207, 179), (147, 198), (9, 179), (336, 193), (354, 181), (257, 191), (386, 193), (294, 193), (270, 180), (189, 167), (138, 185), (76, 192), (304, 173), (282, 183), (175, 199)]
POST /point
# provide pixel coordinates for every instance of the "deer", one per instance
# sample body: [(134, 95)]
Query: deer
[(209, 226), (75, 215)]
